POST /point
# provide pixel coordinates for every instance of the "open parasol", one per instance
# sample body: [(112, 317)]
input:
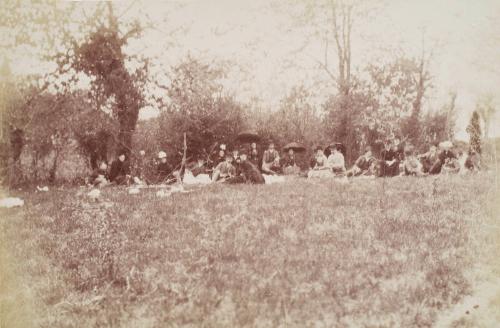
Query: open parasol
[(295, 146), (247, 137)]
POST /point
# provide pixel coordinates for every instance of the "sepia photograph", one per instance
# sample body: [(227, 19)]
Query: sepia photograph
[(249, 163)]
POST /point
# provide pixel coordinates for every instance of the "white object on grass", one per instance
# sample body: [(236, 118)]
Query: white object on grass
[(45, 188), (163, 193), (133, 191), (94, 194), (11, 202), (190, 179), (273, 178)]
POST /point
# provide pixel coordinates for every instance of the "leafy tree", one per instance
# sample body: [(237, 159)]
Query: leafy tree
[(199, 107), (474, 131), (485, 107), (102, 58)]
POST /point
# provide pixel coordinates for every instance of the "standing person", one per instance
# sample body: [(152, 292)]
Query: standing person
[(363, 165), (290, 166), (336, 161), (224, 170), (389, 163), (119, 170), (254, 155), (271, 160)]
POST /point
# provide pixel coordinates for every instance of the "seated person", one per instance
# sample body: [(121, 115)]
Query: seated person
[(197, 173), (411, 164), (119, 170), (336, 161), (254, 155), (198, 167), (139, 166), (99, 177), (447, 160), (220, 156), (363, 165), (163, 168), (473, 161), (248, 172), (289, 164), (224, 170), (389, 164), (271, 161), (320, 168), (429, 159)]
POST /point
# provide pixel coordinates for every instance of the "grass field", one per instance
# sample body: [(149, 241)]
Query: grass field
[(398, 252)]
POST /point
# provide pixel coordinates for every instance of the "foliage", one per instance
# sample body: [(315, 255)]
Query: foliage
[(101, 57), (199, 107), (474, 131)]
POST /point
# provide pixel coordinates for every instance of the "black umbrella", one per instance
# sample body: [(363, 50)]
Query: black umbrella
[(248, 137), (295, 146)]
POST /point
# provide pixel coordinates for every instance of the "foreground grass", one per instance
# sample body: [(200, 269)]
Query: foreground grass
[(373, 253)]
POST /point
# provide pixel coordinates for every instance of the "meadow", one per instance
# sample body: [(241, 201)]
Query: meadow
[(394, 252)]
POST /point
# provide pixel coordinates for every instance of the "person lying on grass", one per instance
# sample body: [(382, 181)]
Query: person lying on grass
[(271, 161), (363, 165), (224, 170)]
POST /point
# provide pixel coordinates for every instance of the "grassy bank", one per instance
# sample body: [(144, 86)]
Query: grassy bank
[(372, 253)]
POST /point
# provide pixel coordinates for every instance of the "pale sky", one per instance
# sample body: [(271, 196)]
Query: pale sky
[(261, 41)]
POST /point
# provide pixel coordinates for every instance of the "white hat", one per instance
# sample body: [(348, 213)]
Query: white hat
[(162, 154), (223, 146)]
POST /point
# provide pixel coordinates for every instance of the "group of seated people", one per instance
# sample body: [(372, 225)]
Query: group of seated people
[(248, 165), (398, 160)]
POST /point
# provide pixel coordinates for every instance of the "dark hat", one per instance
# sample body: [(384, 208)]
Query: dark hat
[(318, 148)]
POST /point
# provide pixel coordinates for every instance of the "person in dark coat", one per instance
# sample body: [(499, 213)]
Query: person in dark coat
[(271, 161), (429, 159), (119, 172), (99, 176), (446, 157), (247, 172), (163, 168), (289, 164), (473, 161), (219, 157), (389, 163), (254, 155), (199, 167), (363, 165)]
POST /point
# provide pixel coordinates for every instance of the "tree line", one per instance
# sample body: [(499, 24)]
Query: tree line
[(43, 115)]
